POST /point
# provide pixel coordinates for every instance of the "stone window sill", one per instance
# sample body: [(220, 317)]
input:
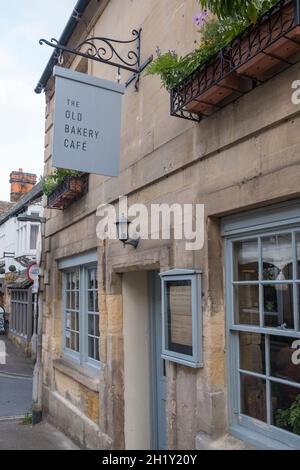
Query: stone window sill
[(84, 375)]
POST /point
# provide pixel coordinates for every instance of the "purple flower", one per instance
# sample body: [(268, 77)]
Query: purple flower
[(200, 18)]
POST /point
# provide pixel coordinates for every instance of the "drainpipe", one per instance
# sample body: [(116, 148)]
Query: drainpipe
[(37, 402)]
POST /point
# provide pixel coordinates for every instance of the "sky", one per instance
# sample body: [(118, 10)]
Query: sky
[(22, 61)]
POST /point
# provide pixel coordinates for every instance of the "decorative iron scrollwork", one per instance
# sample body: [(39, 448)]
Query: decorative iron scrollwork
[(108, 51)]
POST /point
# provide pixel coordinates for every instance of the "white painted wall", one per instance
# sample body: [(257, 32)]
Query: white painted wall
[(136, 361), (15, 238)]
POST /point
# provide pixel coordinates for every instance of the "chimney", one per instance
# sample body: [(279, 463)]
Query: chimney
[(21, 183)]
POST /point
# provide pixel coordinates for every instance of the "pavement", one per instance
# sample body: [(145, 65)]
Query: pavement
[(15, 404)]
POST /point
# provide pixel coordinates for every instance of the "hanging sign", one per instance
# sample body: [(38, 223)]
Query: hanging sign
[(87, 123)]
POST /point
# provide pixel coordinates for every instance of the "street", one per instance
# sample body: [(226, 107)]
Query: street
[(15, 382), (15, 408)]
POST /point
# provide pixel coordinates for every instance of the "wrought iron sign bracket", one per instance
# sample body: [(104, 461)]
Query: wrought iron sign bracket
[(108, 51)]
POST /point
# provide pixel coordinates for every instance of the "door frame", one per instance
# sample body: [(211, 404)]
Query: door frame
[(153, 285)]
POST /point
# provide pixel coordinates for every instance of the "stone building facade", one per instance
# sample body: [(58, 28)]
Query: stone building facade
[(243, 164)]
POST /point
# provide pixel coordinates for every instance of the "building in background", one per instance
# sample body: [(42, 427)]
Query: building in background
[(18, 241), (105, 380)]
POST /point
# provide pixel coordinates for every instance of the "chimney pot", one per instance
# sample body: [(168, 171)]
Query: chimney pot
[(21, 183)]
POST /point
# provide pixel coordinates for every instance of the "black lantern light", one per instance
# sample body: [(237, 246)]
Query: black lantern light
[(123, 232)]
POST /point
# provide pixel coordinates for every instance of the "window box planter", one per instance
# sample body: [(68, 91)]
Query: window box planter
[(214, 90), (269, 43), (72, 189), (262, 50)]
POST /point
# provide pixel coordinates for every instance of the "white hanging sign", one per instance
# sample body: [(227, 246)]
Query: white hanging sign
[(87, 123)]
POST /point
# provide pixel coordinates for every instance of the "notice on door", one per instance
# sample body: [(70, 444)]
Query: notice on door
[(87, 123)]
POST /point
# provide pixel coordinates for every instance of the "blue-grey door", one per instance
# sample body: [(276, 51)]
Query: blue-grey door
[(158, 367)]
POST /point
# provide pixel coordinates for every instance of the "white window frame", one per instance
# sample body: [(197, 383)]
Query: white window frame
[(283, 218), (82, 264)]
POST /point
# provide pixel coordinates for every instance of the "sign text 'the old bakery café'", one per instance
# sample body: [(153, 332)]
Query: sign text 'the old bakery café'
[(87, 123)]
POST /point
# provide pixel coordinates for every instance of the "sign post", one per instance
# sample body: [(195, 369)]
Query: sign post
[(87, 123)]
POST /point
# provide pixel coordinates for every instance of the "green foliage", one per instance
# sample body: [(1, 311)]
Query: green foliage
[(27, 420), (290, 419), (242, 9), (50, 183), (216, 33)]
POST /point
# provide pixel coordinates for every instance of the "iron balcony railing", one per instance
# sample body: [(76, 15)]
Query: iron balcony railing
[(233, 71)]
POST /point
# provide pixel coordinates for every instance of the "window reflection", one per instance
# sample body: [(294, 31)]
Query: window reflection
[(252, 352), (246, 260), (286, 407), (277, 258), (278, 306), (247, 305), (254, 397), (282, 364)]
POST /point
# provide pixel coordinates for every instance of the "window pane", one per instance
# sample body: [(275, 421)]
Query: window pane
[(73, 321), (252, 352), (246, 261), (286, 407), (96, 278), (68, 281), (278, 306), (34, 231), (68, 320), (68, 300), (285, 355), (277, 257), (179, 308), (91, 347), (97, 331), (96, 302), (73, 341), (298, 252), (91, 301), (246, 305), (97, 350), (91, 279), (253, 397), (75, 280), (91, 325), (73, 300)]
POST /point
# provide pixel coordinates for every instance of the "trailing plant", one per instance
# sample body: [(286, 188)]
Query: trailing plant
[(249, 9), (216, 33), (51, 182), (290, 419)]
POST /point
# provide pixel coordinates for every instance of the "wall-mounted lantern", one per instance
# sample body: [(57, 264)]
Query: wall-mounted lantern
[(123, 225), (182, 317)]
